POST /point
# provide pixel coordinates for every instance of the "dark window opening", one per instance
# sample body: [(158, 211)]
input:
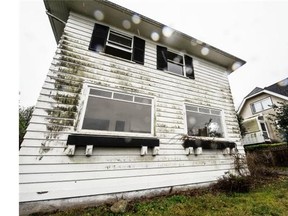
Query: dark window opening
[(173, 62)]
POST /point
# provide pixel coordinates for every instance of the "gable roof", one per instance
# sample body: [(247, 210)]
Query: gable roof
[(58, 13), (254, 91), (278, 89)]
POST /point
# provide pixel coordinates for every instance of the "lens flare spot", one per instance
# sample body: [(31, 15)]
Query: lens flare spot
[(205, 51), (155, 36), (188, 70), (192, 121), (236, 65), (126, 24), (167, 31), (98, 15), (283, 83), (136, 19)]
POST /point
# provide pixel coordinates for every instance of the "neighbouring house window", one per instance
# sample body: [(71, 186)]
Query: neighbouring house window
[(173, 62), (117, 44), (204, 122), (261, 105), (114, 111)]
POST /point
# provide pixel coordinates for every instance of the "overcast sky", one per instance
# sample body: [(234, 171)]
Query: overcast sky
[(255, 31)]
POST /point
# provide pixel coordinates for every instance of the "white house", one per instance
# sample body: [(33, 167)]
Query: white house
[(130, 107)]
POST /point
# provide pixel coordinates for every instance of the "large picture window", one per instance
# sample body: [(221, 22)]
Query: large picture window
[(205, 122), (114, 111)]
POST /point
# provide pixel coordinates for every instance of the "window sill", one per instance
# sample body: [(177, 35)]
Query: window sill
[(111, 141)]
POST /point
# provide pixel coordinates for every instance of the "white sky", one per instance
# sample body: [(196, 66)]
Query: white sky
[(255, 31)]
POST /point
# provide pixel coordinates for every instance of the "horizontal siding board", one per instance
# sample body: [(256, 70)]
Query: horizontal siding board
[(42, 159), (80, 176), (97, 187), (70, 168)]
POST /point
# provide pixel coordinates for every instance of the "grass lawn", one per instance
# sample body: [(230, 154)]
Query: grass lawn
[(268, 199)]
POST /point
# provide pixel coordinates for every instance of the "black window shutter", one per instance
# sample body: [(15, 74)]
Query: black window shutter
[(99, 37), (161, 58), (189, 67), (138, 50)]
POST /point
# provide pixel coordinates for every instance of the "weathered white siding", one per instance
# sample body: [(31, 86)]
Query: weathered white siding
[(46, 172)]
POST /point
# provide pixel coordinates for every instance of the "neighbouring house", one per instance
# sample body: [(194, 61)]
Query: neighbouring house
[(129, 108), (255, 109)]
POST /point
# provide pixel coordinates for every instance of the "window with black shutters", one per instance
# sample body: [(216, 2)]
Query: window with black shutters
[(174, 62), (107, 40)]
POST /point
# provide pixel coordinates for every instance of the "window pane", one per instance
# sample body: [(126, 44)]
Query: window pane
[(120, 126), (175, 68), (257, 106), (101, 93), (215, 112), (118, 52), (143, 100), (192, 108), (175, 58), (120, 39), (204, 110), (206, 125), (267, 103), (123, 97), (131, 117)]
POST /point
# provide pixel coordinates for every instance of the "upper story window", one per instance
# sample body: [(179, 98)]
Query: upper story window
[(204, 122), (261, 105), (115, 111), (168, 60), (117, 44)]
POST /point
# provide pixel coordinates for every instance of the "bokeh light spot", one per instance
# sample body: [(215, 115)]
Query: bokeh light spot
[(155, 36), (167, 31), (98, 15), (136, 19), (205, 51), (236, 65), (126, 24)]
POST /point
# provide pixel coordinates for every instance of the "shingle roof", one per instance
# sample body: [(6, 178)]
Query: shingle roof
[(254, 91), (280, 87)]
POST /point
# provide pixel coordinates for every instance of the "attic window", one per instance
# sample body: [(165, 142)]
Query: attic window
[(173, 62), (261, 105), (117, 44), (204, 122), (118, 112)]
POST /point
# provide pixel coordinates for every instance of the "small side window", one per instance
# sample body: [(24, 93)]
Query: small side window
[(117, 44), (176, 63)]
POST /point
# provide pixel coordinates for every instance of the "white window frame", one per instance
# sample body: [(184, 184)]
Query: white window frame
[(222, 117), (120, 47), (252, 106), (120, 133), (183, 65)]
